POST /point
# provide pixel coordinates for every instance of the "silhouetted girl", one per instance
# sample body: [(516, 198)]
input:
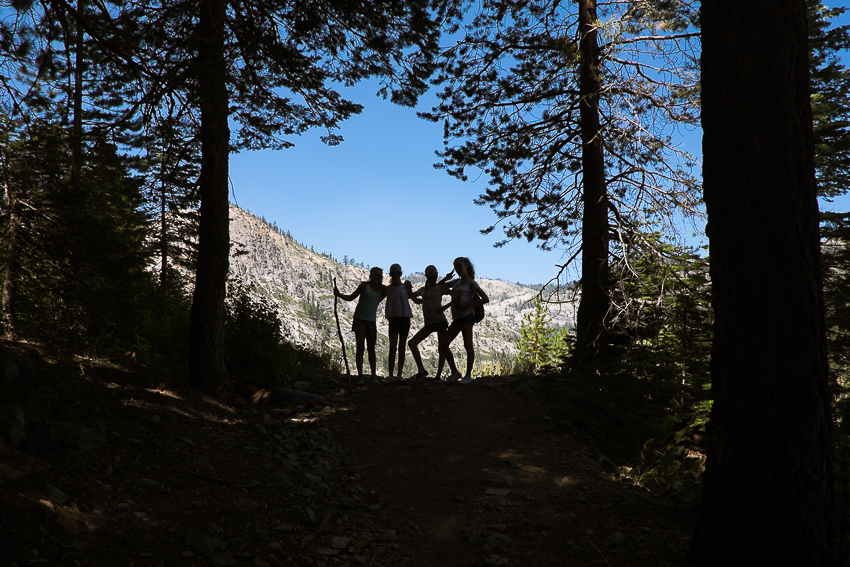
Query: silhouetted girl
[(398, 315), (435, 321), (464, 300), (364, 325)]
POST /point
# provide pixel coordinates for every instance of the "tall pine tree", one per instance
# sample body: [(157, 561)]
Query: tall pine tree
[(570, 110), (272, 70)]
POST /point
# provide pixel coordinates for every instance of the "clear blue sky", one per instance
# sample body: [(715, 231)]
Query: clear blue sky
[(377, 198)]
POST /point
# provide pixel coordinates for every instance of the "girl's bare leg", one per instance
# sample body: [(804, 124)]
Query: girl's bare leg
[(402, 347), (470, 348), (447, 351), (359, 337), (441, 341), (391, 360), (413, 343), (370, 346)]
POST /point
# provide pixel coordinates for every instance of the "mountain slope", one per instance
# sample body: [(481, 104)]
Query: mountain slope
[(299, 282)]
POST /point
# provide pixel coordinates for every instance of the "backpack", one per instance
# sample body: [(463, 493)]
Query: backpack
[(478, 310)]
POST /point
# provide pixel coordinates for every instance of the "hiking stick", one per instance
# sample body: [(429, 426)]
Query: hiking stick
[(342, 342)]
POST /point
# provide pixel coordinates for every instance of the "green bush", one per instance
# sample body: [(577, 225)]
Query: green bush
[(255, 348), (162, 332)]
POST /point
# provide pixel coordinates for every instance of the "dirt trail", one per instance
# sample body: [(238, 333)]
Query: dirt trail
[(478, 474), (415, 474)]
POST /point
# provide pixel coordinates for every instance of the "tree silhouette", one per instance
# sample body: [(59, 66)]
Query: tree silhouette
[(768, 477), (569, 109)]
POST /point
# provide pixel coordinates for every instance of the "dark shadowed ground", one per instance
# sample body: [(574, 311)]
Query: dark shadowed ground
[(414, 474)]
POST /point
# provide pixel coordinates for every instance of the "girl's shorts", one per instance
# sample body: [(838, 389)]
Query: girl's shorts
[(363, 326), (436, 327), (399, 325), (469, 319)]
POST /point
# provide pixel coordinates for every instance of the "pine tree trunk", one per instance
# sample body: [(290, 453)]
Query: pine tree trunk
[(767, 493), (77, 144), (207, 371), (9, 260), (163, 232), (595, 302)]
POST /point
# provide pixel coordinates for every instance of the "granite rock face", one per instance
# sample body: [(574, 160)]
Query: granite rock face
[(299, 283)]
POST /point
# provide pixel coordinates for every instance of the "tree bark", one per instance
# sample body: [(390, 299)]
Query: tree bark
[(207, 370), (595, 302), (163, 231), (77, 137), (767, 493), (8, 252)]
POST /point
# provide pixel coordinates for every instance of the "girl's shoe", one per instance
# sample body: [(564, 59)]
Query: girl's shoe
[(420, 375), (455, 376), (466, 380), (375, 379), (359, 381)]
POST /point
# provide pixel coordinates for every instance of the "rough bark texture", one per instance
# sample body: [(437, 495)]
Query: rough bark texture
[(206, 343), (594, 303), (767, 498)]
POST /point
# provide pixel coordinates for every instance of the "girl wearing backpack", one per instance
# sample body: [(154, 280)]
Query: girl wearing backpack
[(466, 297)]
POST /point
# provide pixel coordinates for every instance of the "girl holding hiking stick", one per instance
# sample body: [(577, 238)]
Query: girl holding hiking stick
[(364, 324)]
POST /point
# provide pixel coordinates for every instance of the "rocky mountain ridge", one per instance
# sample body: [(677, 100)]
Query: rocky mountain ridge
[(298, 282)]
